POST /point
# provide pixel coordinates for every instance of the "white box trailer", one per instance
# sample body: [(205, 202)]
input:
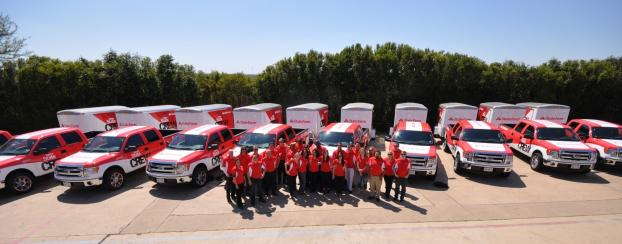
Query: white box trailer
[(95, 119), (256, 115), (360, 113), (451, 113), (188, 117), (499, 113), (546, 111), (161, 116), (416, 112), (311, 116)]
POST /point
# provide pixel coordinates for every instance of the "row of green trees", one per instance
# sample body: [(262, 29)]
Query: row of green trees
[(33, 89)]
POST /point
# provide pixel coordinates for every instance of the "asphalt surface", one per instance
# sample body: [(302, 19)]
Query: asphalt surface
[(546, 207)]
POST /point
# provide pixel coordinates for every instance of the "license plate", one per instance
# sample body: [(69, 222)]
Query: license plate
[(575, 166), (487, 169), (159, 180), (67, 184)]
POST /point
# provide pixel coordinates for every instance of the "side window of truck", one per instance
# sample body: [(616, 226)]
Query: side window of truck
[(583, 132), (519, 127), (71, 137), (281, 135), (214, 139), (529, 130), (573, 125), (47, 144), (151, 136), (290, 133), (457, 130), (134, 140), (226, 134)]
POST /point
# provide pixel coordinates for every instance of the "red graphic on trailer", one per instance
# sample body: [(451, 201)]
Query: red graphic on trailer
[(167, 119), (482, 113), (222, 117), (109, 118), (324, 116), (275, 115)]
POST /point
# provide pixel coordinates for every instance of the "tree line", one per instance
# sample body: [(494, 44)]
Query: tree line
[(33, 89)]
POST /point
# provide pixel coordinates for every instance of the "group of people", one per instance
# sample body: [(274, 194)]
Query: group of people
[(307, 167)]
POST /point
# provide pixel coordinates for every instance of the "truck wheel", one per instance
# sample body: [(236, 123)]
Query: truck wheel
[(459, 170), (199, 176), (536, 161), (446, 147), (114, 179), (20, 182)]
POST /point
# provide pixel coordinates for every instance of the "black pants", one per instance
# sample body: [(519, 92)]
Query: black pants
[(256, 190), (388, 184), (325, 181), (312, 181), (340, 184), (400, 187), (302, 180), (229, 188), (280, 173), (291, 184), (238, 192), (269, 183)]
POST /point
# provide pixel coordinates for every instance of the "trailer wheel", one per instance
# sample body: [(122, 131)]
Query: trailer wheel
[(199, 176), (20, 182), (114, 179), (536, 161)]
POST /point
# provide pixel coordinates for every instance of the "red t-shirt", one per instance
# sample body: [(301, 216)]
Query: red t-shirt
[(313, 164), (269, 162), (303, 164), (375, 166), (349, 159), (397, 153), (292, 167), (255, 169), (339, 169), (403, 166), (388, 165), (362, 163), (229, 164), (238, 175), (245, 159), (336, 153), (325, 166)]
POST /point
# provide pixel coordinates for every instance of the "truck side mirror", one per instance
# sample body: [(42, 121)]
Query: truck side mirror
[(213, 146), (131, 148), (528, 136), (454, 137), (41, 150)]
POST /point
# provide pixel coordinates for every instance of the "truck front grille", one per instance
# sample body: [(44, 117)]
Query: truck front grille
[(489, 158), (575, 155), (161, 167), (417, 161), (68, 171)]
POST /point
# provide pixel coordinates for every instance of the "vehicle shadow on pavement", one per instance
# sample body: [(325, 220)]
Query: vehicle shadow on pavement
[(512, 181), (590, 178), (610, 169), (87, 195), (182, 191), (42, 184)]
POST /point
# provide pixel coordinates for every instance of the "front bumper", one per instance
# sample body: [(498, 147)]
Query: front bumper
[(608, 160), (2, 185), (423, 170), (556, 163), (168, 178), (483, 167), (80, 182)]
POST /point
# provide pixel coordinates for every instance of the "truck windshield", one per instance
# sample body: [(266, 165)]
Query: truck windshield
[(482, 135), (557, 134), (414, 137), (334, 138), (607, 133), (104, 144), (17, 147), (256, 140), (188, 142)]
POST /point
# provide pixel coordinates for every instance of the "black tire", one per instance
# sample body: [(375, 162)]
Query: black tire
[(505, 174), (457, 165), (535, 162), (199, 176), (20, 182), (114, 179), (446, 147)]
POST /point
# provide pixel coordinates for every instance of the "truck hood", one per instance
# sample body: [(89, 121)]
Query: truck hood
[(485, 147), (237, 149), (577, 145), (418, 150), (176, 155), (93, 158), (607, 142), (10, 160)]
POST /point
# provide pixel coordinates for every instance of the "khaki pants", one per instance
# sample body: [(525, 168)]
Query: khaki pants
[(374, 185)]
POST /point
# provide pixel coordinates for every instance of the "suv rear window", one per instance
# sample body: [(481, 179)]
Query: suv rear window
[(71, 137), (151, 136)]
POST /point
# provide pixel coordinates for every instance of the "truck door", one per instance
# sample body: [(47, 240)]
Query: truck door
[(216, 144), (154, 142), (73, 143), (454, 132), (583, 132), (516, 133), (136, 150), (526, 139), (47, 151), (227, 139)]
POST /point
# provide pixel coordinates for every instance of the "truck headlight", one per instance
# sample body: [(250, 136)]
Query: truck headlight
[(554, 154), (90, 171), (611, 152), (508, 159), (431, 162), (592, 156), (181, 168), (469, 156)]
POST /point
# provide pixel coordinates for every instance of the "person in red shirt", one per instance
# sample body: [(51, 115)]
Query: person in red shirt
[(389, 161), (227, 165), (396, 151), (303, 166), (281, 151), (339, 174), (291, 168), (239, 177), (270, 161), (256, 173), (376, 168), (325, 174), (349, 163), (245, 159), (314, 169), (361, 166), (402, 171)]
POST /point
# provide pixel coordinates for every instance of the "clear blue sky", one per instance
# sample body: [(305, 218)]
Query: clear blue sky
[(248, 36)]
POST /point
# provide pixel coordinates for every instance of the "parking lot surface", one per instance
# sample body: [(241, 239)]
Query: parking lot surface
[(528, 206)]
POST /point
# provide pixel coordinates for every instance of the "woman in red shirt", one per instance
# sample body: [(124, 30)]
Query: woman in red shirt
[(238, 177), (325, 174), (291, 168), (361, 166), (314, 169), (339, 174), (303, 165)]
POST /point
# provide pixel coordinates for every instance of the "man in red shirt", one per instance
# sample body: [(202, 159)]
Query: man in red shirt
[(256, 172), (227, 166), (338, 151), (239, 177), (349, 161), (402, 171), (291, 168), (270, 162), (325, 174), (388, 174), (303, 165), (376, 168), (396, 151), (281, 150)]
